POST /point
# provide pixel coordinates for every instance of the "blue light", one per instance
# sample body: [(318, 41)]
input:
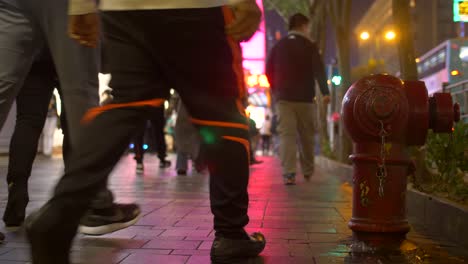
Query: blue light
[(132, 146), (145, 146)]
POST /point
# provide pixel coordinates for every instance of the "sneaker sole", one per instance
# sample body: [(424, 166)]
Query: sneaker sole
[(13, 228), (102, 230), (245, 260)]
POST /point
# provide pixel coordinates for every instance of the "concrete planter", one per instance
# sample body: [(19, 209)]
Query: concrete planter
[(439, 216)]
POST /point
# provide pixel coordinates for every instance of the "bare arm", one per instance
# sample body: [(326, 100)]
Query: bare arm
[(247, 18), (83, 22)]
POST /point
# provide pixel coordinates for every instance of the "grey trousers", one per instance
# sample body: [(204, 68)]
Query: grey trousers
[(27, 26), (296, 125)]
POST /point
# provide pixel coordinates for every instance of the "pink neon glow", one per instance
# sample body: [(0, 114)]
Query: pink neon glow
[(254, 50)]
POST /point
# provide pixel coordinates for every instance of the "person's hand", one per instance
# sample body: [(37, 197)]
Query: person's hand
[(247, 18), (84, 29), (326, 99)]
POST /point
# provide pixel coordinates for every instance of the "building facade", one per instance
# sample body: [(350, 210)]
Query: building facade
[(432, 24)]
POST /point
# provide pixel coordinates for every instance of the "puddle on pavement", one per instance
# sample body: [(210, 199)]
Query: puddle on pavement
[(409, 253)]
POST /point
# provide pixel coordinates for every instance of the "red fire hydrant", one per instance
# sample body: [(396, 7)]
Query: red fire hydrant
[(383, 115)]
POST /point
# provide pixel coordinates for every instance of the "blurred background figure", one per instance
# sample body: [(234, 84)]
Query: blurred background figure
[(188, 142), (49, 128), (169, 131), (155, 126), (253, 139), (265, 133)]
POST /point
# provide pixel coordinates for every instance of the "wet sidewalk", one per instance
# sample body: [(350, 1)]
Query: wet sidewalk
[(306, 223)]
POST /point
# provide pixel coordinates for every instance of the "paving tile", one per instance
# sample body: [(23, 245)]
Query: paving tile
[(324, 238), (151, 259), (176, 232), (97, 256), (18, 254), (172, 238), (199, 260), (205, 245), (168, 244), (146, 251), (186, 252), (196, 238), (15, 245), (4, 249), (113, 242)]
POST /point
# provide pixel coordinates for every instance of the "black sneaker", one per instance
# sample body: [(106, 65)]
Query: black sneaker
[(164, 164), (181, 172), (104, 221), (225, 250), (48, 243), (15, 211)]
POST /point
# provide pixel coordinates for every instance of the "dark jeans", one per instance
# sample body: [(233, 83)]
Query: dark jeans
[(158, 121), (32, 106), (146, 57)]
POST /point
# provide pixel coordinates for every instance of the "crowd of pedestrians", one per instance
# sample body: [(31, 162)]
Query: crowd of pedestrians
[(147, 47)]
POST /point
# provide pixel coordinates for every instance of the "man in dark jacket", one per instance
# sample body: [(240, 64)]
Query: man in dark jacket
[(292, 68)]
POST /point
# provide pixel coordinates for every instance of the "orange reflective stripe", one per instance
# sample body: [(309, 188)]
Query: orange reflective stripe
[(236, 53), (241, 108), (94, 112), (243, 141), (219, 124)]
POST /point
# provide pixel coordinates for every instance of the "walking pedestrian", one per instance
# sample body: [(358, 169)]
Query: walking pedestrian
[(188, 141), (158, 121), (27, 27), (200, 57), (293, 66), (32, 105), (265, 133)]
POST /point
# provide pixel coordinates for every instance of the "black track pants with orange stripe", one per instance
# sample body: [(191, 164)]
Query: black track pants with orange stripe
[(147, 52)]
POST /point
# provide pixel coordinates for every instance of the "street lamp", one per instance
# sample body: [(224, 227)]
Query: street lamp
[(364, 35), (390, 35)]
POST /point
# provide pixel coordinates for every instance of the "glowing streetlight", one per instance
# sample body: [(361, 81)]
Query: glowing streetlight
[(390, 35), (364, 35)]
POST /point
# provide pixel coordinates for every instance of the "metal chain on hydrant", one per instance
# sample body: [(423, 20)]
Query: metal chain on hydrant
[(381, 168)]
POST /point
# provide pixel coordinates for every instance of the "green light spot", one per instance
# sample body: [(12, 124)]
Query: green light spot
[(208, 136)]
